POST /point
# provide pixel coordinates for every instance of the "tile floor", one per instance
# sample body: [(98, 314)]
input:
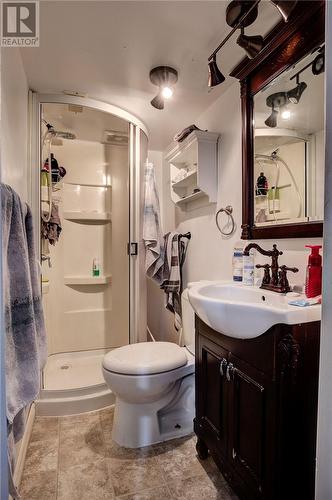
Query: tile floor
[(74, 458)]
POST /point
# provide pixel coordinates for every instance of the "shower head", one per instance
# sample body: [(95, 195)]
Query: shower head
[(64, 135), (59, 133)]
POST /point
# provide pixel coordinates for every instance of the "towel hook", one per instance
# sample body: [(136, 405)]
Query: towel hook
[(228, 210)]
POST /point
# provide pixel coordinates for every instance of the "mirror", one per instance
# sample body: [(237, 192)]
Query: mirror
[(289, 145), (282, 104)]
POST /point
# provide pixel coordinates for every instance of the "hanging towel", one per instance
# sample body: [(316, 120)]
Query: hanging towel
[(25, 341), (175, 253), (152, 233), (51, 230)]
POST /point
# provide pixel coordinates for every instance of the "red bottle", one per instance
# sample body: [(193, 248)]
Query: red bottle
[(313, 282)]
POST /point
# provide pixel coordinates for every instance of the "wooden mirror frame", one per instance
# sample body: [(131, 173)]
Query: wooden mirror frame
[(284, 46)]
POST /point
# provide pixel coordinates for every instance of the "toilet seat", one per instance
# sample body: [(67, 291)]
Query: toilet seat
[(145, 358)]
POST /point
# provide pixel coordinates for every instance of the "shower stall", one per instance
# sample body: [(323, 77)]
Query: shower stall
[(87, 172)]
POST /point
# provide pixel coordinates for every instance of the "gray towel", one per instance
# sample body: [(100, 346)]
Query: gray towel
[(175, 253), (26, 350), (152, 233)]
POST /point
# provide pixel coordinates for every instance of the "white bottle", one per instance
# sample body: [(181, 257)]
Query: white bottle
[(249, 269), (238, 263)]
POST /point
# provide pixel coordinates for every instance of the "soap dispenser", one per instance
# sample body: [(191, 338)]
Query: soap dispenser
[(313, 283)]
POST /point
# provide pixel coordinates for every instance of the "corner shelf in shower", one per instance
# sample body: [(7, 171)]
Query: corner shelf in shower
[(87, 216), (88, 280)]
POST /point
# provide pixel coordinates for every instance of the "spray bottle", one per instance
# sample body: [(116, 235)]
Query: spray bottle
[(313, 283)]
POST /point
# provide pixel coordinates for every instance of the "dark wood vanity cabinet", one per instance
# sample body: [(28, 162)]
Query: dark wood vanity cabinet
[(256, 404)]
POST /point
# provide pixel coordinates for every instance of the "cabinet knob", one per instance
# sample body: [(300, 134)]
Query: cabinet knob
[(223, 365)]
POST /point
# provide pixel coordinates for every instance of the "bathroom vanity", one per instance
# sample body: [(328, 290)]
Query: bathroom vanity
[(256, 406)]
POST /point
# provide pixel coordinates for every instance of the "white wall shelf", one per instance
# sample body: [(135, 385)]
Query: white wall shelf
[(196, 159), (88, 280), (86, 216)]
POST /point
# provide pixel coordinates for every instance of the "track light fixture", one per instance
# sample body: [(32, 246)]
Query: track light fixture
[(285, 7), (215, 75), (239, 14), (294, 95), (271, 121), (251, 44), (318, 64), (165, 78)]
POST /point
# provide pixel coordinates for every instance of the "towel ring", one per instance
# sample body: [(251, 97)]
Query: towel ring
[(228, 210)]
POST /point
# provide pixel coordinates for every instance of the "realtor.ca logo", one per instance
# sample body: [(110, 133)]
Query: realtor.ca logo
[(20, 24)]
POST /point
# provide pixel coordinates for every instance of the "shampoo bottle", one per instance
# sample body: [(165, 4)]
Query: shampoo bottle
[(95, 267), (313, 283)]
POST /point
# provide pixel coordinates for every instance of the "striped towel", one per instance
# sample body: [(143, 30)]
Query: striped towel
[(175, 253), (152, 233)]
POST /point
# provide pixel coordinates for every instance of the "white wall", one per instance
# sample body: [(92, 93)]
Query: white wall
[(14, 119), (324, 432), (209, 254)]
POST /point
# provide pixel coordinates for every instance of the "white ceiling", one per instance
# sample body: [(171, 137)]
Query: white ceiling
[(106, 49)]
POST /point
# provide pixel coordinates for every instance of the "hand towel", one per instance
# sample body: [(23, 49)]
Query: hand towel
[(175, 253), (152, 233), (25, 341)]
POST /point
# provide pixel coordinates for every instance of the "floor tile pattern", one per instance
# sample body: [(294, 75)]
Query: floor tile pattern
[(74, 458)]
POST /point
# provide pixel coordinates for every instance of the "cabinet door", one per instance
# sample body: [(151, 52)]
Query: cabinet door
[(211, 397), (249, 425)]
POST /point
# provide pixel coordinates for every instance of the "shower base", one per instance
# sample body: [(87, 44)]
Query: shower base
[(73, 383), (73, 370)]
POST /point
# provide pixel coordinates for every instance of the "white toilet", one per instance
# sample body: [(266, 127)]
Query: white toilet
[(154, 385)]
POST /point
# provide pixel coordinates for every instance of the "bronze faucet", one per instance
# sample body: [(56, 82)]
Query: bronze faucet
[(276, 281)]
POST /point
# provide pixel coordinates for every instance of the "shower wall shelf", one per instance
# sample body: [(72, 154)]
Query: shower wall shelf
[(88, 280), (86, 216), (193, 169), (87, 184)]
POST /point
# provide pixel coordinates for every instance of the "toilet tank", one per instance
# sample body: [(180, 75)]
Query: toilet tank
[(188, 323)]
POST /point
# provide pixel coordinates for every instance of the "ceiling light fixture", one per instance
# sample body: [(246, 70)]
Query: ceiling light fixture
[(165, 78), (318, 64), (239, 14), (251, 44), (215, 75), (271, 121), (285, 7), (294, 95)]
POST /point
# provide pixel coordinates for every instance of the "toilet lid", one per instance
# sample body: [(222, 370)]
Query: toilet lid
[(145, 358)]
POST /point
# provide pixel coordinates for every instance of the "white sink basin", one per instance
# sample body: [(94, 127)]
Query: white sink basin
[(245, 312)]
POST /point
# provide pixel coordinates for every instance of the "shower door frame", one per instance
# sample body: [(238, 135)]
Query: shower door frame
[(137, 132)]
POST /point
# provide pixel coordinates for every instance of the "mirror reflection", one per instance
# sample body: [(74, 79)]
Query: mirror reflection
[(289, 145)]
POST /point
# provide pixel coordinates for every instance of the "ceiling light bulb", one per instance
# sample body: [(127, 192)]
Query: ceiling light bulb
[(286, 114), (167, 92)]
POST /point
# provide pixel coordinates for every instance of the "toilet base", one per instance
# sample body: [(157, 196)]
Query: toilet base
[(139, 425)]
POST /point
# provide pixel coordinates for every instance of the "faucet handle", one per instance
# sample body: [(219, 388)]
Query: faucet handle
[(267, 277), (286, 268)]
